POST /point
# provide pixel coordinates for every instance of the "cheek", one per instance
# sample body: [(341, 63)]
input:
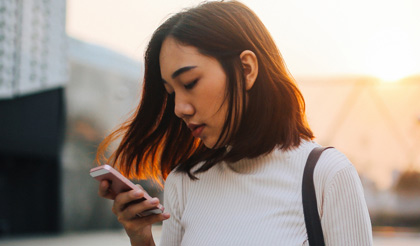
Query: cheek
[(220, 113), (212, 96), (217, 106)]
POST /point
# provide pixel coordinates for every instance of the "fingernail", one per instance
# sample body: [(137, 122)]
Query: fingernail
[(138, 193), (166, 215), (154, 201)]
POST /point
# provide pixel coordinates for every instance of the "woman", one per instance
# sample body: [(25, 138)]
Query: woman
[(222, 120)]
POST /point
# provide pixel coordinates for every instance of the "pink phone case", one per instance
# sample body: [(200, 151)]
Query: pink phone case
[(119, 184)]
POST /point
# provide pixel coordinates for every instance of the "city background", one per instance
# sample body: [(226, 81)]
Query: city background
[(361, 96)]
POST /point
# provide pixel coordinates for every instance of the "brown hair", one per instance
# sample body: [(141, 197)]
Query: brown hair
[(155, 141)]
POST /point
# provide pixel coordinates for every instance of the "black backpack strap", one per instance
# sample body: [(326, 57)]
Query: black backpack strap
[(310, 208)]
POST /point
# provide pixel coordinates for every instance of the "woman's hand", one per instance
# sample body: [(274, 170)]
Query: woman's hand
[(138, 229)]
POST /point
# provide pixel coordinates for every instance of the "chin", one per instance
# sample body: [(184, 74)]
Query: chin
[(208, 143), (212, 144)]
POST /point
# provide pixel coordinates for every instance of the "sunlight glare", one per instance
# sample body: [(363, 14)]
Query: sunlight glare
[(389, 55)]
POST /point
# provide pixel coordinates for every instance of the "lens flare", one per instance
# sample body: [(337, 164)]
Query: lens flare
[(390, 55)]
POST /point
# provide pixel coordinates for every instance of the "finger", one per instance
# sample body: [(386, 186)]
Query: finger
[(104, 190), (152, 219), (134, 210), (140, 187), (123, 200), (139, 224)]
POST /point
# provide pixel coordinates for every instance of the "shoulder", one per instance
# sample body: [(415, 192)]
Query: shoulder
[(174, 181), (173, 177), (331, 160), (331, 163), (176, 177), (335, 178), (176, 189)]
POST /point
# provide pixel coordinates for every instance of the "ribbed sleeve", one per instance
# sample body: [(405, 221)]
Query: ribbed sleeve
[(345, 220)]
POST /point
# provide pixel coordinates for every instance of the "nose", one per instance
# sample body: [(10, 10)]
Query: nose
[(183, 108)]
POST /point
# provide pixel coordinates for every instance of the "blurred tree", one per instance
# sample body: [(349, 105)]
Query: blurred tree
[(408, 183)]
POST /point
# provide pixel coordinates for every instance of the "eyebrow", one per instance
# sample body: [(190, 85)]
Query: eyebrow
[(182, 70)]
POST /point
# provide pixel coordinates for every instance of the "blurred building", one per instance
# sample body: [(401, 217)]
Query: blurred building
[(104, 89), (48, 81), (59, 97), (376, 125), (33, 72)]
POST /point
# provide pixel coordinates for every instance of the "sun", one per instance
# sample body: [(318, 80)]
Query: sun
[(389, 55)]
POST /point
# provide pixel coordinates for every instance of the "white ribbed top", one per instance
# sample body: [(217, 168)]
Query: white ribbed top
[(258, 202)]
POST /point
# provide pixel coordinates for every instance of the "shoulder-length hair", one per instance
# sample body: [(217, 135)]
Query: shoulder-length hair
[(155, 141)]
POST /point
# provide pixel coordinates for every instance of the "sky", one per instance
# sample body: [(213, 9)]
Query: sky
[(323, 38), (379, 38)]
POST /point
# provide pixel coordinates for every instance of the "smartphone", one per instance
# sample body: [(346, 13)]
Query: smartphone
[(119, 184)]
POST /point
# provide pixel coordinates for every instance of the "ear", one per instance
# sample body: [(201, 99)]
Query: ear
[(250, 67)]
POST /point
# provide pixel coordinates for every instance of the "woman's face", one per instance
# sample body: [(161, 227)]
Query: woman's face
[(199, 86)]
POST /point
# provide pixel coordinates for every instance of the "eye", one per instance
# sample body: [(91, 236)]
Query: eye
[(191, 85)]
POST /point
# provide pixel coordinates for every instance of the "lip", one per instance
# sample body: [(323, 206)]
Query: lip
[(196, 129)]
